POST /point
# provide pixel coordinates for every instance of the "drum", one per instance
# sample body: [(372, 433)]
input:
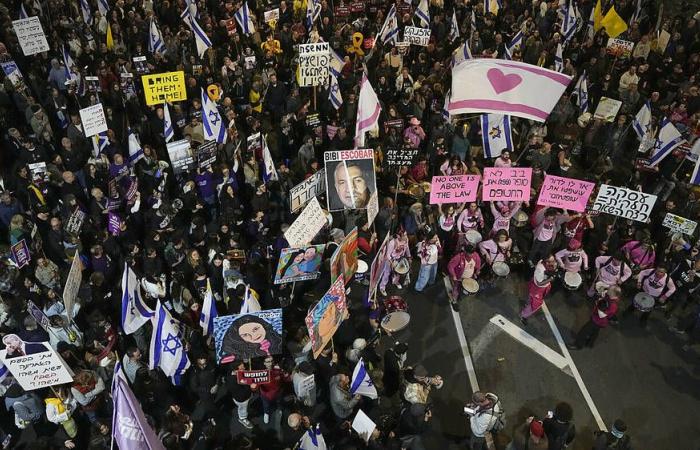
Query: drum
[(520, 219), (401, 266), (425, 186), (416, 191), (501, 269), (643, 302), (470, 286), (361, 272), (473, 237), (572, 280), (397, 316)]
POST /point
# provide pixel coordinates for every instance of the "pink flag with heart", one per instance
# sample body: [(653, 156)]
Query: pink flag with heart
[(499, 86)]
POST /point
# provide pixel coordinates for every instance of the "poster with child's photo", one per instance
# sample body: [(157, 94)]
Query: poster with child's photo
[(246, 336), (299, 264)]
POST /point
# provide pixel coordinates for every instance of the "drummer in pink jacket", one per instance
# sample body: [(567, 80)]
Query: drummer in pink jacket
[(657, 283), (539, 286), (465, 264), (572, 258), (397, 249), (610, 271)]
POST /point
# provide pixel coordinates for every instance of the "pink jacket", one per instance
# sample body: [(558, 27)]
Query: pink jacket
[(609, 273), (572, 261), (456, 265), (464, 224), (638, 255), (656, 286)]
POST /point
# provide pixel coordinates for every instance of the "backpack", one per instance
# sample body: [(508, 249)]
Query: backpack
[(559, 442), (499, 416)]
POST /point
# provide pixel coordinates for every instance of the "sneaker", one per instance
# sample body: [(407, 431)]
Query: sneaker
[(383, 292), (246, 423), (398, 286), (266, 418)]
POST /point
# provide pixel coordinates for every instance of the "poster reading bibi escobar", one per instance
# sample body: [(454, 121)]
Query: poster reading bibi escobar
[(350, 178)]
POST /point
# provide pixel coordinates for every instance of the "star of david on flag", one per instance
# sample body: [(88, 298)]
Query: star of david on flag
[(361, 382), (167, 350)]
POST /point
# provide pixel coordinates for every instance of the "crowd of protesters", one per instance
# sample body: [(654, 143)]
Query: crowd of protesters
[(181, 228)]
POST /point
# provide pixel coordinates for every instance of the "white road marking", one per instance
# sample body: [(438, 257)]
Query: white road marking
[(465, 351), (574, 370), (531, 342)]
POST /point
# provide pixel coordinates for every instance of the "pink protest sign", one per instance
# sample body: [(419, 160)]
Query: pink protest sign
[(507, 184), (566, 193), (454, 189)]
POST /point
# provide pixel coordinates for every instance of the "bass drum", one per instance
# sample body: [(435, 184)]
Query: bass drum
[(401, 266), (396, 317), (501, 269)]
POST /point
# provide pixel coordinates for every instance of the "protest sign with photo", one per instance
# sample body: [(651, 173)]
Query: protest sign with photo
[(206, 154), (245, 336), (607, 109), (377, 266), (93, 119), (624, 202), (21, 254), (350, 178), (299, 264), (620, 48), (303, 192), (314, 62), (454, 189), (34, 365), (181, 157), (507, 184), (13, 74), (38, 314), (273, 14), (404, 156), (30, 35), (325, 316), (72, 287), (92, 83), (394, 124), (140, 64), (403, 47), (565, 193), (372, 208), (344, 259), (253, 376), (678, 224), (307, 225), (254, 144), (164, 87), (38, 171), (416, 35)]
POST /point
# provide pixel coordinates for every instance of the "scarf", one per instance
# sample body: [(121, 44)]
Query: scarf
[(265, 346)]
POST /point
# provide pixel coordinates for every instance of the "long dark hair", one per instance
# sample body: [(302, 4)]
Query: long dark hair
[(290, 261), (233, 345)]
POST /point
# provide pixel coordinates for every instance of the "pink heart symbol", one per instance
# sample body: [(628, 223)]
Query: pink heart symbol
[(502, 82)]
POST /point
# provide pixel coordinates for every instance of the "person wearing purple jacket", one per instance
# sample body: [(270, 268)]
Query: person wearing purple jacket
[(206, 186)]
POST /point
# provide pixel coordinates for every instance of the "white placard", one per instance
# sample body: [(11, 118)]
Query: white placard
[(306, 385), (679, 224), (372, 208), (300, 194), (607, 109), (70, 290), (38, 367), (272, 15), (94, 120), (417, 35), (624, 202), (363, 425), (307, 225), (314, 61), (30, 35)]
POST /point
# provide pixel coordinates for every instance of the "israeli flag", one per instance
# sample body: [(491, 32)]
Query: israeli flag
[(68, 63), (4, 371), (445, 106), (167, 349), (190, 13), (269, 171), (87, 14), (155, 39), (423, 13), (590, 25), (642, 121), (516, 42), (243, 18), (559, 59), (103, 7), (200, 38), (568, 26), (313, 10), (312, 440), (22, 12), (473, 23), (168, 131), (337, 63), (208, 312), (135, 313), (454, 27), (135, 150), (214, 128), (100, 141), (495, 134), (462, 53), (334, 95), (361, 382), (390, 29), (668, 139), (581, 90), (695, 177)]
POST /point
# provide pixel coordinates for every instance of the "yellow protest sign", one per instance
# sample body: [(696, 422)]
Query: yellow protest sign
[(164, 87)]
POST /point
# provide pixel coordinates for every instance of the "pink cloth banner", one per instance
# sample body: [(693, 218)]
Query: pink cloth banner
[(454, 189), (507, 184), (566, 193)]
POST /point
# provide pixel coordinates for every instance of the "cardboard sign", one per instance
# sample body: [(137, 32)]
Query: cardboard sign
[(70, 290), (140, 64), (363, 425), (254, 144), (30, 35), (41, 318), (248, 335), (620, 48), (396, 157), (307, 225), (13, 74), (679, 224), (314, 62), (507, 184), (181, 157), (454, 189), (325, 316), (94, 120), (306, 385), (342, 11), (34, 365), (299, 264), (344, 259), (253, 376), (372, 208), (313, 120), (607, 109), (272, 15), (417, 36), (624, 202), (403, 47), (114, 224), (206, 154), (313, 186), (357, 7), (21, 254), (350, 178), (566, 193), (93, 84), (164, 87)]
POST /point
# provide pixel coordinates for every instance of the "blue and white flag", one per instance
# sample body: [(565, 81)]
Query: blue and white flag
[(423, 13), (103, 7), (87, 14), (155, 39), (337, 63), (168, 130), (642, 121), (190, 13), (37, 7), (495, 134), (200, 38), (515, 43), (637, 16), (361, 382), (334, 95), (590, 25), (559, 58), (454, 27), (312, 440), (244, 20), (68, 63), (390, 29), (695, 151), (208, 312), (135, 312), (167, 347), (130, 429), (22, 12), (4, 371), (214, 128), (135, 150), (581, 91), (445, 106), (313, 10), (668, 139), (269, 171), (568, 26), (100, 141), (472, 23), (462, 53)]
